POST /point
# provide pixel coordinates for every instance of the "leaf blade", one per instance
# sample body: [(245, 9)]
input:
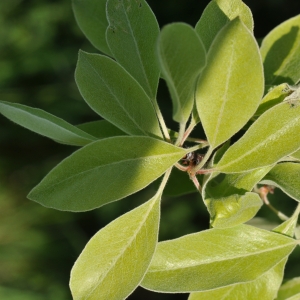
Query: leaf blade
[(101, 168)]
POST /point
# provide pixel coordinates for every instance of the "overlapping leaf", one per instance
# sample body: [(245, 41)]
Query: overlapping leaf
[(220, 93), (273, 136), (285, 176), (116, 258), (239, 254), (280, 51), (290, 290), (221, 12), (45, 124), (132, 35), (105, 171), (182, 56), (91, 18), (115, 95)]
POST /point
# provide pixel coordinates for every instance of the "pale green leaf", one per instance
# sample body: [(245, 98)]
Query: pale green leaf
[(105, 171), (296, 154), (101, 129), (182, 56), (114, 261), (264, 287), (91, 19), (289, 290), (132, 35), (273, 136), (223, 88), (221, 12), (111, 92), (280, 52), (45, 124), (273, 97), (215, 258), (285, 176), (232, 210)]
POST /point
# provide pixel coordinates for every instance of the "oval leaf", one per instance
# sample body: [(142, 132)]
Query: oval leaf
[(274, 135), (101, 129), (265, 287), (280, 52), (182, 56), (114, 261), (45, 124), (132, 35), (222, 12), (286, 177), (112, 93), (289, 290), (220, 93), (233, 210), (238, 254), (105, 171), (91, 19)]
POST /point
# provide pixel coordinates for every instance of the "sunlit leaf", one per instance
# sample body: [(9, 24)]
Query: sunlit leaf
[(114, 261), (215, 258), (273, 136), (221, 12), (132, 35), (105, 171), (115, 95), (264, 287), (45, 124), (221, 93), (290, 290), (182, 56), (285, 176), (280, 52), (91, 18), (101, 129)]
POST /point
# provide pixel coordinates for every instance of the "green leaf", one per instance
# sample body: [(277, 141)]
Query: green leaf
[(105, 171), (221, 92), (280, 52), (182, 56), (274, 96), (116, 258), (264, 287), (101, 129), (91, 19), (112, 93), (296, 154), (232, 210), (273, 136), (221, 12), (132, 35), (289, 290), (45, 124), (215, 258), (286, 177)]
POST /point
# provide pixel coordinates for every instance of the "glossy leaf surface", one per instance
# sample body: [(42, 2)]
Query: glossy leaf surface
[(280, 51), (91, 18), (273, 136), (220, 93), (285, 176), (132, 35), (105, 171), (112, 93), (182, 56), (264, 287), (45, 124), (116, 258), (221, 12), (101, 129), (238, 254)]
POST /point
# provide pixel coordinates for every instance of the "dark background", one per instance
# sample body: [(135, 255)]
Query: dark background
[(39, 42)]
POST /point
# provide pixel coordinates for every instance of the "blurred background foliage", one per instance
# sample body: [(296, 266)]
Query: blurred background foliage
[(39, 42)]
